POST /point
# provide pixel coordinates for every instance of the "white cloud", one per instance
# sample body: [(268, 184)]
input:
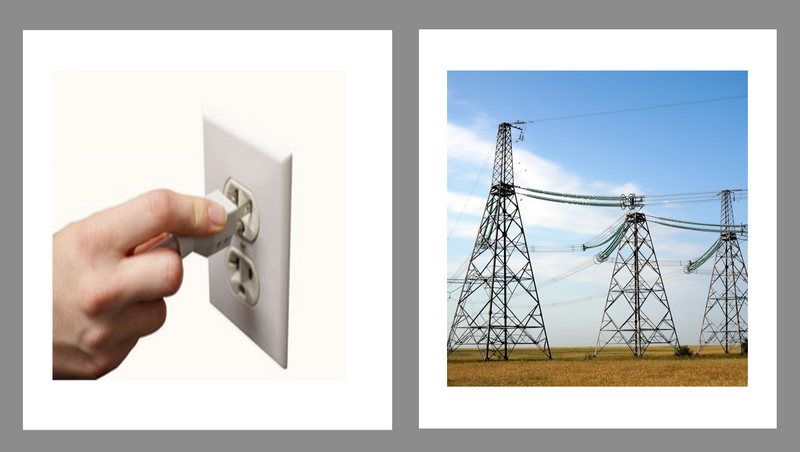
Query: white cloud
[(463, 145), (471, 205)]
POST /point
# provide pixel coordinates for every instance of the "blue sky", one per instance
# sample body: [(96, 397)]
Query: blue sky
[(687, 148)]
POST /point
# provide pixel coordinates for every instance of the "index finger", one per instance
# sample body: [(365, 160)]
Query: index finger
[(158, 211)]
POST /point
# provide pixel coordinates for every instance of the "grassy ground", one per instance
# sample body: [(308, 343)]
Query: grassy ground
[(613, 366)]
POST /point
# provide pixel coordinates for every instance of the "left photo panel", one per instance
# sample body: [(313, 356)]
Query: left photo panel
[(194, 196)]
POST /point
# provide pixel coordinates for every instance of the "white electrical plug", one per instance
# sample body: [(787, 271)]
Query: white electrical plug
[(208, 245)]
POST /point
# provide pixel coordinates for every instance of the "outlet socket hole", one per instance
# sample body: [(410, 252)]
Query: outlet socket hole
[(242, 276)]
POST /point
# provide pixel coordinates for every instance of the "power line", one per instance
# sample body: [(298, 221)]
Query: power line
[(628, 110), (713, 225), (625, 201)]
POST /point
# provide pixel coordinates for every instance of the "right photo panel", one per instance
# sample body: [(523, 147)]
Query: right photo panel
[(590, 219)]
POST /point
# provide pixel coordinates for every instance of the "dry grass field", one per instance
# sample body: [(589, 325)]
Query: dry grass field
[(613, 366)]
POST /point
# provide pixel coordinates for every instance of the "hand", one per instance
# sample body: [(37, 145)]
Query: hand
[(109, 287)]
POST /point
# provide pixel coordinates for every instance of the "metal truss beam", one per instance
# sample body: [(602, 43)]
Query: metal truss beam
[(637, 312), (499, 269), (725, 317)]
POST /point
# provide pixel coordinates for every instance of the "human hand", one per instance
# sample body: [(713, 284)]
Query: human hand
[(109, 286)]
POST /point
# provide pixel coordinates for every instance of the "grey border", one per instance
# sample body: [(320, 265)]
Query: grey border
[(404, 18)]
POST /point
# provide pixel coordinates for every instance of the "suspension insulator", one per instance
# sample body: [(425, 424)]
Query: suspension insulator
[(630, 201)]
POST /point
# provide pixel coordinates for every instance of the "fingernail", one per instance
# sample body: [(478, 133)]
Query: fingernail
[(216, 213)]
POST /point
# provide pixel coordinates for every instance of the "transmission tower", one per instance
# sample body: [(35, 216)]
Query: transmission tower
[(499, 269), (637, 311), (724, 319)]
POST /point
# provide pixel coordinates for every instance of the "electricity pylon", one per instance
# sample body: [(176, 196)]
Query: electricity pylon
[(724, 319), (637, 311), (499, 269)]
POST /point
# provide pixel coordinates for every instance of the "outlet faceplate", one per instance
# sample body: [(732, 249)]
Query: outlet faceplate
[(234, 152)]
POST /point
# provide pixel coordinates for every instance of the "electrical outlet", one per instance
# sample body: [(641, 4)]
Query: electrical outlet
[(253, 170)]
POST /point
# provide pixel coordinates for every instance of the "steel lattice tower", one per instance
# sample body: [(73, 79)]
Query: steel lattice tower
[(724, 319), (499, 269), (637, 311)]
